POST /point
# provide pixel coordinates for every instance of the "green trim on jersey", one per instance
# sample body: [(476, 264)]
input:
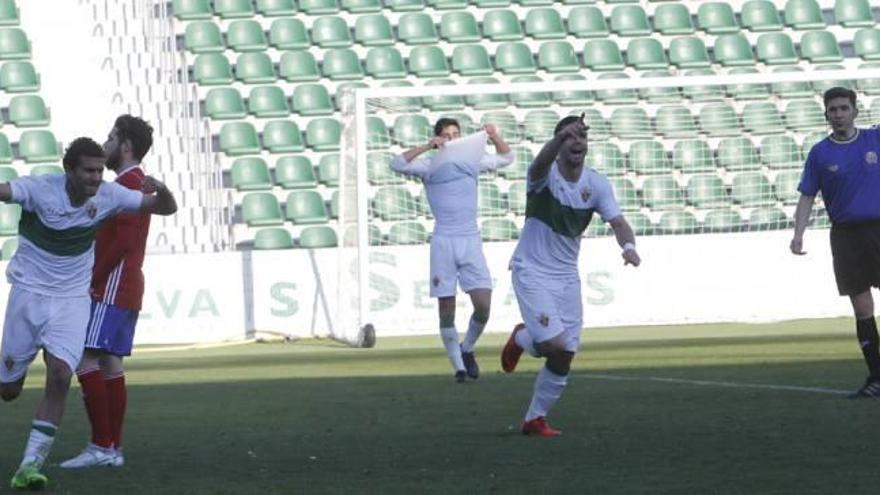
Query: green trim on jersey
[(66, 242), (562, 219)]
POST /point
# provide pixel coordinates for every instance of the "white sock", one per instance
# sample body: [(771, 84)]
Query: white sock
[(39, 443), (453, 349), (475, 329), (524, 339), (548, 388)]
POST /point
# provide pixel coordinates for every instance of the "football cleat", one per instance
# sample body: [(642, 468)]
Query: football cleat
[(538, 427), (460, 376), (91, 456), (118, 458), (870, 390), (470, 364), (512, 351), (28, 477)]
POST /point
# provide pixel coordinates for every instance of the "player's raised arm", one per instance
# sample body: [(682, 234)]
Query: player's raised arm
[(801, 219), (160, 203), (626, 239), (542, 162), (503, 155)]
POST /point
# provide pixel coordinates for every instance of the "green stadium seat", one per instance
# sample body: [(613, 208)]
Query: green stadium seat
[(659, 94), (231, 9), (486, 101), (539, 125), (572, 98), (490, 203), (254, 68), (606, 157), (661, 192), (261, 209), (688, 52), (428, 61), (331, 32), (518, 170), (869, 87), (19, 77), (601, 55), (224, 103), (8, 13), (342, 64), (407, 233), (373, 30), (733, 50), (516, 198), (738, 154), (318, 236), (373, 234), (811, 139), (250, 174), (557, 56), (10, 214), (203, 37), (853, 13), (762, 118), (794, 89), (502, 25), (616, 96), (319, 7), (295, 172), (268, 102), (648, 157), (498, 229), (459, 27), (630, 20), (471, 60), (28, 111), (544, 24), (405, 5), (306, 207), (272, 238), (786, 186), (646, 53), (412, 130), (514, 57), (776, 48), (423, 205), (7, 174), (724, 220), (626, 193), (748, 91), (866, 43), (417, 29), (707, 191), (587, 22), (37, 146), (804, 115), (641, 224), (719, 119), (534, 3), (674, 121), (324, 134), (5, 149), (282, 136), (401, 104), (630, 123), (803, 14), (673, 19), (440, 102), (820, 87), (275, 8), (677, 222), (767, 218), (10, 246), (385, 63), (530, 99), (820, 46), (46, 169), (334, 206), (211, 69), (716, 18), (299, 66), (362, 6), (599, 128), (692, 156), (780, 152), (289, 34), (760, 15), (328, 170), (246, 36), (379, 170), (187, 10), (377, 133), (506, 124), (394, 203), (485, 4)]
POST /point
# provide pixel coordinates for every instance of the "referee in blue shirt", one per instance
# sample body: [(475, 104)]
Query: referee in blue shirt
[(844, 168)]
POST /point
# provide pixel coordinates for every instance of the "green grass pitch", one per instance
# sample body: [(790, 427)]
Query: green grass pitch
[(673, 409)]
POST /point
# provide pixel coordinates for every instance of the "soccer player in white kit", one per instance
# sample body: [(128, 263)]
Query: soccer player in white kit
[(562, 195), (49, 303), (456, 248)]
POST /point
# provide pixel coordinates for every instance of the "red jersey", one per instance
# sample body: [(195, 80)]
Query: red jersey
[(120, 244)]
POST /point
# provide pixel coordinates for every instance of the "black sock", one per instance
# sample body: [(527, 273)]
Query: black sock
[(870, 343)]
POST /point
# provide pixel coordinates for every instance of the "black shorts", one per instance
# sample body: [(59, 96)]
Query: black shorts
[(855, 249)]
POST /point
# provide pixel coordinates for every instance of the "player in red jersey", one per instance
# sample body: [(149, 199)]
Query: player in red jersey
[(117, 291)]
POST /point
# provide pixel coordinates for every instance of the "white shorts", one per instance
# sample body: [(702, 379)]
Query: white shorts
[(458, 260), (57, 324), (550, 307)]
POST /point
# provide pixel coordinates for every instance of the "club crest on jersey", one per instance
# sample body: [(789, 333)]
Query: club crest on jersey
[(585, 193), (544, 320), (833, 168), (91, 209), (871, 158)]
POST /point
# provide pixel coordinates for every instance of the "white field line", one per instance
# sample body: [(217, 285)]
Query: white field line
[(713, 383)]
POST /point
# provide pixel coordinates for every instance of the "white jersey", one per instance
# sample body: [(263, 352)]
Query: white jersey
[(557, 214), (56, 249), (450, 178)]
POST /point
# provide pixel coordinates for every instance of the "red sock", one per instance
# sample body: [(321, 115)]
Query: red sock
[(95, 398), (117, 398)]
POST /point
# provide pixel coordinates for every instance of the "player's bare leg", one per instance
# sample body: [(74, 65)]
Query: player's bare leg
[(866, 331), (482, 302), (549, 384), (449, 335)]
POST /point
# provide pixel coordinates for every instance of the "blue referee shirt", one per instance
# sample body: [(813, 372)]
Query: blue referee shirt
[(848, 175)]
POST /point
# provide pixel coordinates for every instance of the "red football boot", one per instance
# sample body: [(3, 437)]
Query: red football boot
[(512, 351), (538, 427)]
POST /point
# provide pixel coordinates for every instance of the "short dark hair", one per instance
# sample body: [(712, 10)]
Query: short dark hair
[(443, 123), (138, 131), (571, 119), (81, 148), (839, 92)]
